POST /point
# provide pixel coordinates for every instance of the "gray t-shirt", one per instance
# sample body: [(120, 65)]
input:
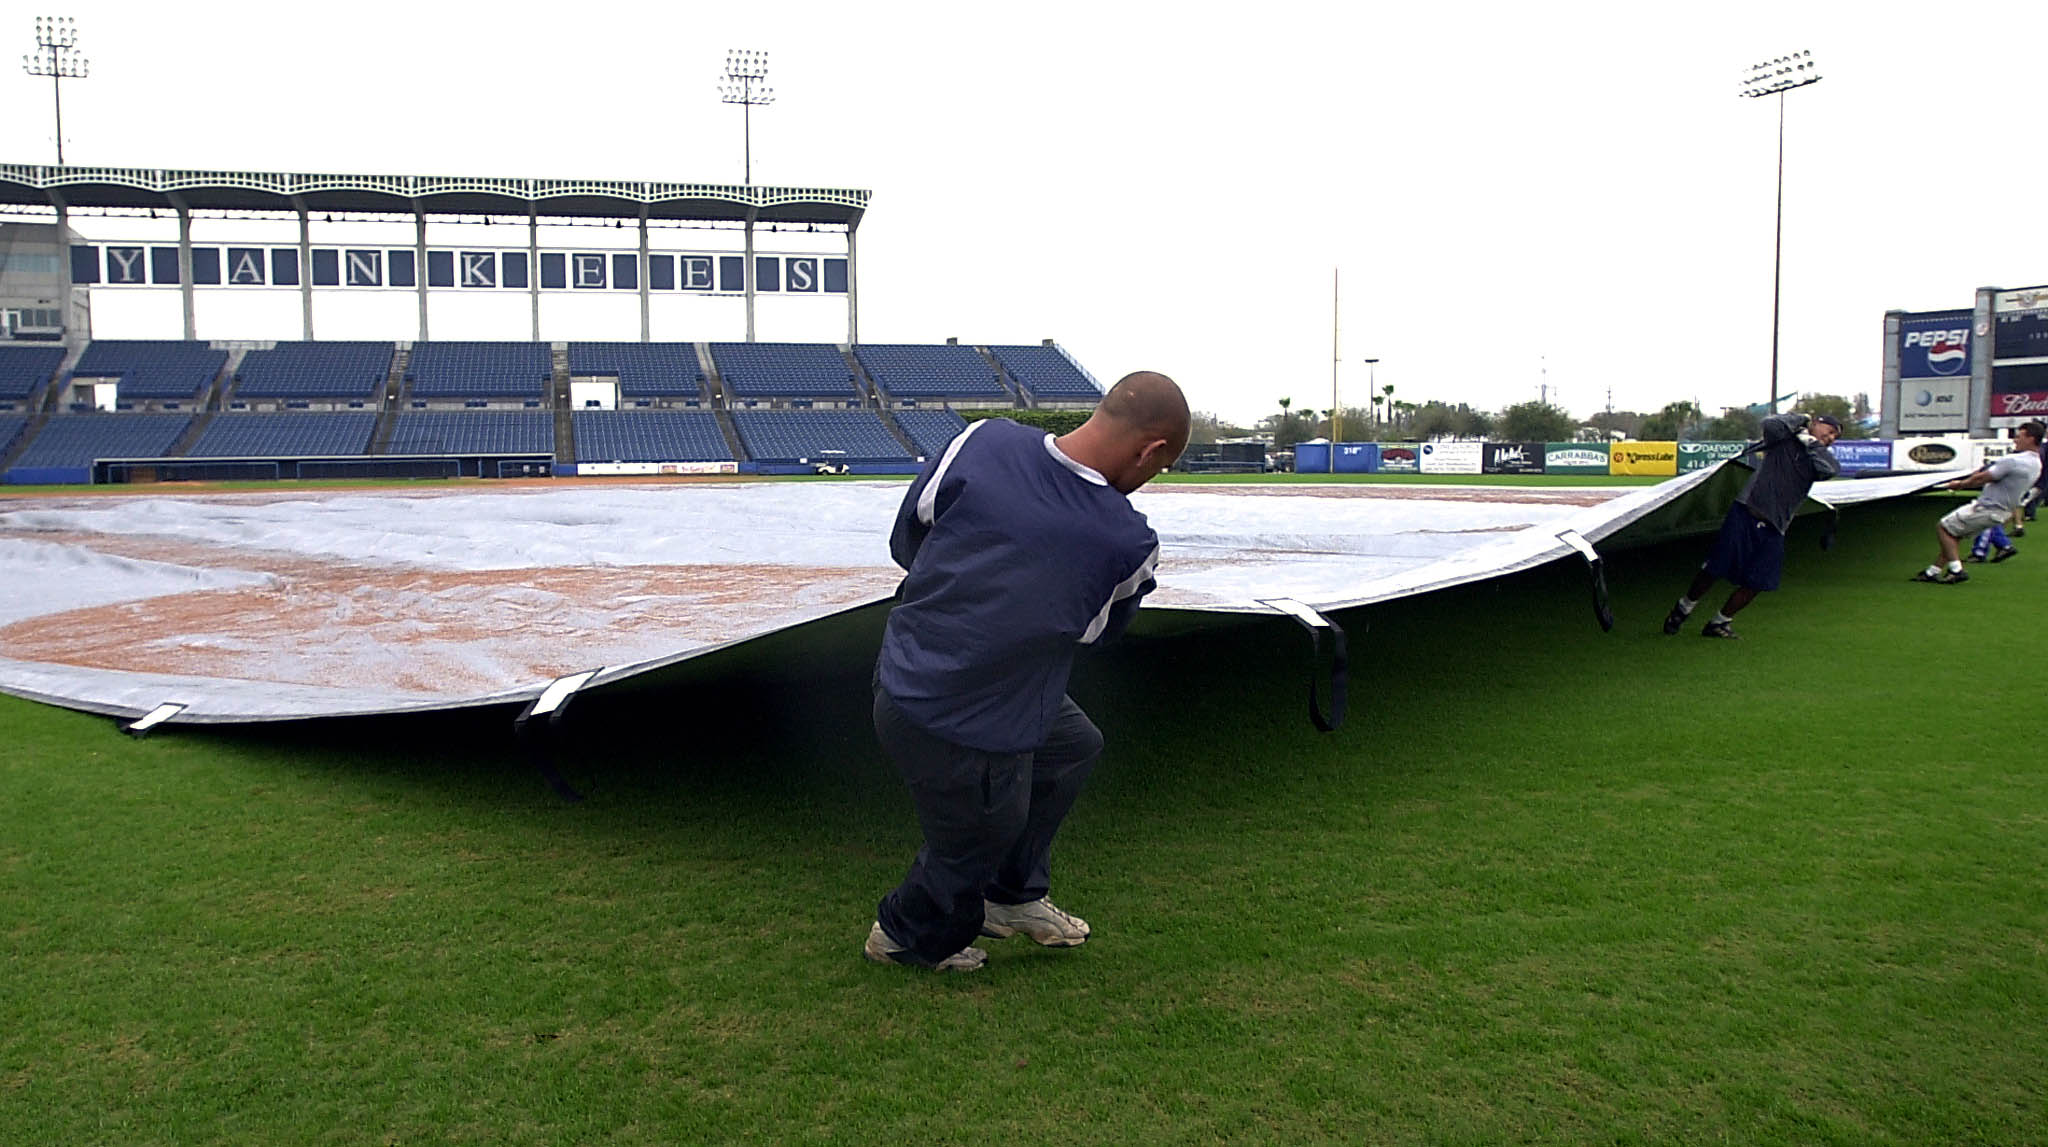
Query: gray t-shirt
[(2010, 477)]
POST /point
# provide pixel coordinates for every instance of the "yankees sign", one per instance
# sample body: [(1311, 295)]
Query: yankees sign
[(389, 268)]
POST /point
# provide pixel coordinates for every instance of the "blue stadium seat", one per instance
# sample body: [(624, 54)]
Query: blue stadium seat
[(315, 370), (915, 371), (151, 369), (783, 370), (292, 434), (644, 370), (1046, 372), (480, 370), (82, 439), (11, 426), (930, 429), (649, 436), (474, 432), (24, 370), (794, 435)]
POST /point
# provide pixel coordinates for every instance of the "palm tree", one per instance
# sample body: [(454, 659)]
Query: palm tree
[(1388, 391)]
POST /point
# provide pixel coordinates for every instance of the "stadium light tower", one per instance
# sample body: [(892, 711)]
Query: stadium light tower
[(1776, 77), (746, 75), (57, 58)]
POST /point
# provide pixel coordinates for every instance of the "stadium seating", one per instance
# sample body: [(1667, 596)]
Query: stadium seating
[(783, 370), (644, 370), (474, 432), (1046, 372), (11, 426), (82, 439), (649, 436), (930, 429), (294, 434), (314, 370), (910, 371), (150, 369), (480, 370), (795, 435), (23, 370)]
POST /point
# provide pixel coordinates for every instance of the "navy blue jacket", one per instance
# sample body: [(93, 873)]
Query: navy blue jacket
[(1787, 470), (1017, 556)]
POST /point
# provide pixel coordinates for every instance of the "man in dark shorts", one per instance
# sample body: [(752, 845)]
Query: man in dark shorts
[(1021, 549), (1750, 552)]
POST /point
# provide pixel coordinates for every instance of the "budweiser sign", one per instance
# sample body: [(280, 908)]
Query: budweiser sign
[(2019, 405)]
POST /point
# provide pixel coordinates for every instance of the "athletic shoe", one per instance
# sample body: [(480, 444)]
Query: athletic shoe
[(1953, 577), (883, 950), (1923, 575), (2007, 552), (1040, 919), (1674, 621), (1976, 558), (1720, 629)]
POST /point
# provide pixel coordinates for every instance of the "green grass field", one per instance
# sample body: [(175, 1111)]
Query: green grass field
[(1547, 885)]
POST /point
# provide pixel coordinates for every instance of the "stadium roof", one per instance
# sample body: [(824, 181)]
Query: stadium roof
[(87, 187)]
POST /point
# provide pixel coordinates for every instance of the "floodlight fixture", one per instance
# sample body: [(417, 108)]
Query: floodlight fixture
[(745, 83), (57, 57), (1776, 76)]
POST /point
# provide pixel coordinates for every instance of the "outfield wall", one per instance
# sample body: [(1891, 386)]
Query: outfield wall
[(1652, 459)]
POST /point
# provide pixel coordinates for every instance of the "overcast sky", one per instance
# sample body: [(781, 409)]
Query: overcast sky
[(1510, 190)]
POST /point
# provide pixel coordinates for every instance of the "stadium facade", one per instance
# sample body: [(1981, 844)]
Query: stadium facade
[(77, 408)]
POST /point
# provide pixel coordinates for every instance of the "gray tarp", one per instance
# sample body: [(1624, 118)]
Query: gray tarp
[(283, 605)]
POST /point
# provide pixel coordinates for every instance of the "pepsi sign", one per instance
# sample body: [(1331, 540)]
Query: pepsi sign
[(1935, 344)]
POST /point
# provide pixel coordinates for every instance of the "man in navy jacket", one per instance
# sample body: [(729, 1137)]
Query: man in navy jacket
[(1021, 549)]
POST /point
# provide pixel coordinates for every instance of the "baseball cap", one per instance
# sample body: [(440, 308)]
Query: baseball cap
[(1829, 420)]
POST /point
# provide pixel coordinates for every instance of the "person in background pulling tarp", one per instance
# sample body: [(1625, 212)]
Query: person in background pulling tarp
[(1021, 549), (2004, 483), (1751, 548)]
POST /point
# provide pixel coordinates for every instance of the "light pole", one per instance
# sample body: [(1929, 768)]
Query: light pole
[(1776, 77), (746, 75), (1372, 377), (56, 37)]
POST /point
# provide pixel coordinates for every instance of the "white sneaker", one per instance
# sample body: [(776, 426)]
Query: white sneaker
[(1040, 919), (883, 950)]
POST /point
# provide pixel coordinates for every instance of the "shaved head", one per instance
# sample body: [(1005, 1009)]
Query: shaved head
[(1147, 403), (1137, 430)]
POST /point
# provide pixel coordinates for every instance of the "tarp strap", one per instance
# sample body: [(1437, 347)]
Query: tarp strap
[(1601, 612), (1340, 660), (1827, 536), (540, 736), (153, 718)]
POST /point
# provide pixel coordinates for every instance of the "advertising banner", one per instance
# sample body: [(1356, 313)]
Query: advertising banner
[(1653, 458), (655, 468), (1932, 454), (1400, 458), (1934, 404), (1935, 344), (1575, 458), (1512, 458), (2019, 391), (1357, 457), (1859, 454), (1700, 455), (1452, 458)]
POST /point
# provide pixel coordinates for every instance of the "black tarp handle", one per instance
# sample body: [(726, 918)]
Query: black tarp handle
[(540, 737), (1340, 661), (1594, 566)]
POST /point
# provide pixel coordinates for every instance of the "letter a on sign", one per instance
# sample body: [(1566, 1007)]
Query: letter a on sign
[(245, 265)]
